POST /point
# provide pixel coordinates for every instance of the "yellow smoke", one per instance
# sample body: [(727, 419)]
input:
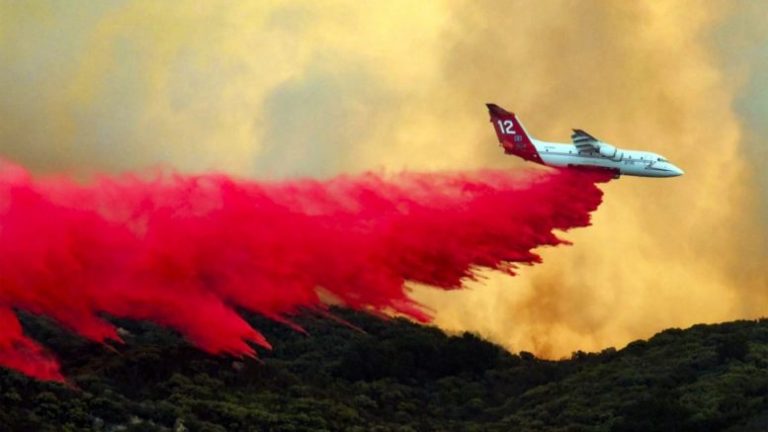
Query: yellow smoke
[(275, 89), (661, 254)]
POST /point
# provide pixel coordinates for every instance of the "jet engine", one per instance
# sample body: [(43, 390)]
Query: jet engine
[(610, 152)]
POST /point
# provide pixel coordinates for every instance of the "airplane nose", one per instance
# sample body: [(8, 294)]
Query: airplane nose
[(669, 169)]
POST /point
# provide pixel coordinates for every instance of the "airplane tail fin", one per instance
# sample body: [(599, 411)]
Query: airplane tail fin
[(511, 134)]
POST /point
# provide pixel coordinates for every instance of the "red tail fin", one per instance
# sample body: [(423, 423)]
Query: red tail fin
[(512, 134)]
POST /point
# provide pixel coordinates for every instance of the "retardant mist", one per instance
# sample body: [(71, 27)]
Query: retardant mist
[(186, 251)]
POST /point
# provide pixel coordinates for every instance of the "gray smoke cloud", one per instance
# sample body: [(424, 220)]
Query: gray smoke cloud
[(742, 43)]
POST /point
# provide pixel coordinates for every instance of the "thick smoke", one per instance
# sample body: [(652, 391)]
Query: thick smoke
[(642, 76), (186, 251), (284, 88)]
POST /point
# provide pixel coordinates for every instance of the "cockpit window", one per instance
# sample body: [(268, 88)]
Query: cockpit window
[(661, 159)]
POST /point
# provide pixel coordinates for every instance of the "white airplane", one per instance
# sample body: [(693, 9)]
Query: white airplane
[(586, 152)]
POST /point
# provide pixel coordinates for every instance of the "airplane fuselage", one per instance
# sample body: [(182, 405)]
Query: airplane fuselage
[(628, 162)]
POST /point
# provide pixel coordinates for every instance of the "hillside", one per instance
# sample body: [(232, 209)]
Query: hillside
[(395, 376)]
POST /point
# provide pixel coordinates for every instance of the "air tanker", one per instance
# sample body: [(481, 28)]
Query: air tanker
[(585, 151)]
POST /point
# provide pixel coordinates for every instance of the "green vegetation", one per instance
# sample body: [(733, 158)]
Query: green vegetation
[(395, 376)]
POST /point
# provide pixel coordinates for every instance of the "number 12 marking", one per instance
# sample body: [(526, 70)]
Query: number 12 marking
[(507, 127)]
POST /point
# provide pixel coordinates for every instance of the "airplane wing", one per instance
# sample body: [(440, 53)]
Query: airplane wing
[(583, 141)]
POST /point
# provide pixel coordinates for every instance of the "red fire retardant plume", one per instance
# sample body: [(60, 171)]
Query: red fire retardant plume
[(186, 251)]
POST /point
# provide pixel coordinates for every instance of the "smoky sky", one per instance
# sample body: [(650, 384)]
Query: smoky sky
[(742, 45), (303, 89), (314, 123)]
